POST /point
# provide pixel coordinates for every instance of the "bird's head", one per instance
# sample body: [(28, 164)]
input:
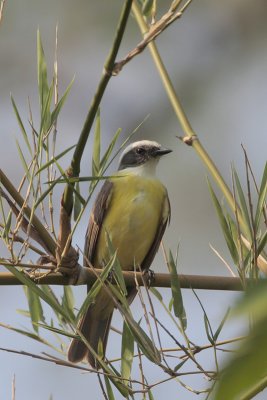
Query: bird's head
[(143, 155)]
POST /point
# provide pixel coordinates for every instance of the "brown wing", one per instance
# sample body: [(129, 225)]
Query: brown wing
[(166, 215), (95, 221), (93, 325)]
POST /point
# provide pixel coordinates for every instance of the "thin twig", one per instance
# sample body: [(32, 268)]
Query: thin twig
[(223, 260), (141, 368), (187, 351), (63, 363), (45, 236), (153, 32), (145, 312)]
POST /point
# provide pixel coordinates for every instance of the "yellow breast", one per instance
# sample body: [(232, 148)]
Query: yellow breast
[(132, 220)]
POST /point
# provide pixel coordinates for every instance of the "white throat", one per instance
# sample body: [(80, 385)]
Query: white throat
[(147, 170)]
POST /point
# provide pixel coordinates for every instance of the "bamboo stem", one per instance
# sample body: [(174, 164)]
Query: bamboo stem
[(159, 280), (74, 169), (190, 137)]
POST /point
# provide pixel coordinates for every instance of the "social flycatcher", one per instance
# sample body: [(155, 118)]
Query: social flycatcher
[(134, 211)]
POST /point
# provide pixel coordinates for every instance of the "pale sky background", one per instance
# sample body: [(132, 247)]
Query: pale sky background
[(217, 58)]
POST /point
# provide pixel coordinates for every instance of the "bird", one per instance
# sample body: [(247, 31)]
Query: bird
[(133, 209)]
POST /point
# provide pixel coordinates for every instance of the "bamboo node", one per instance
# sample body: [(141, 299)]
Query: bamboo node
[(189, 139)]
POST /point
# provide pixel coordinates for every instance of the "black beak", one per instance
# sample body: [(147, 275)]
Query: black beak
[(161, 152)]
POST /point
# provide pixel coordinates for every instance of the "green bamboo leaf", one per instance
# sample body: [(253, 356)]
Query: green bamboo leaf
[(52, 184), (63, 173), (57, 331), (82, 179), (109, 150), (219, 329), (28, 334), (68, 301), (124, 143), (109, 388), (119, 296), (41, 73), (235, 235), (96, 146), (45, 125), (50, 293), (100, 349), (4, 234), (179, 365), (178, 306), (59, 105), (243, 204), (150, 395), (170, 306), (208, 329), (25, 313), (116, 266), (127, 352), (6, 230), (115, 378), (224, 225), (44, 194), (124, 390), (169, 312), (23, 162), (35, 307), (254, 302), (156, 293), (94, 290), (54, 159), (77, 206), (142, 339), (261, 199), (22, 128), (46, 296), (262, 243), (247, 369), (207, 324)]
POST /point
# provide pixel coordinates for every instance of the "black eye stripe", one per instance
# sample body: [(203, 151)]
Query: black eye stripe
[(137, 155), (140, 150)]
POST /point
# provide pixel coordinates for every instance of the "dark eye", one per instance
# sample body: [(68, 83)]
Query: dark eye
[(140, 150)]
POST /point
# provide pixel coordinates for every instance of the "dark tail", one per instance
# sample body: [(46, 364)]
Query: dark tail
[(94, 326)]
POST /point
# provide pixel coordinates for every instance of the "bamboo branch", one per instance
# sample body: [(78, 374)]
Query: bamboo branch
[(190, 137), (152, 33), (74, 169), (159, 280)]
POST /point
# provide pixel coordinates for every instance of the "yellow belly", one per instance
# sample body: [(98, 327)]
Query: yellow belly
[(131, 221)]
